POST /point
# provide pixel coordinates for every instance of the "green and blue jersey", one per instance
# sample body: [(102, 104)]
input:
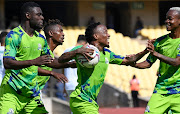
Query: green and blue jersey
[(20, 46), (91, 79), (168, 81)]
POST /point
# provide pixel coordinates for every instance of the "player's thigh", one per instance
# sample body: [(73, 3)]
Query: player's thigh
[(10, 101), (158, 104), (35, 106), (175, 103), (80, 106)]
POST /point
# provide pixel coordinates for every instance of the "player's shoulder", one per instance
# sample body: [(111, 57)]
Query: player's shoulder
[(76, 47), (107, 50), (15, 32), (40, 35), (162, 38), (68, 49)]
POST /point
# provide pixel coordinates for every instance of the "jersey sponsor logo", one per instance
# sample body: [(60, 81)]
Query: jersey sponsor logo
[(106, 61), (39, 46), (11, 111)]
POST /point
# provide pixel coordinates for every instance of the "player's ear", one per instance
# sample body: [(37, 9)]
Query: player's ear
[(28, 16), (50, 33), (95, 36)]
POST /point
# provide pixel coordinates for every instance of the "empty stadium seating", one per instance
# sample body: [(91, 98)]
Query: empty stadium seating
[(118, 75), (152, 32)]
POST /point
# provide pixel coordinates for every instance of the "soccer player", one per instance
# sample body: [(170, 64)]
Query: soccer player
[(54, 36), (23, 49), (83, 99), (167, 49), (2, 40)]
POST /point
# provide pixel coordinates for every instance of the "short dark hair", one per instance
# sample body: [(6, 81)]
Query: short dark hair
[(81, 38), (90, 31), (27, 7), (49, 25), (2, 35)]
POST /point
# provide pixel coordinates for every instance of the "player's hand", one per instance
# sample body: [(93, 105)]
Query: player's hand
[(153, 40), (72, 64), (42, 60), (86, 52), (60, 77), (150, 47), (130, 56)]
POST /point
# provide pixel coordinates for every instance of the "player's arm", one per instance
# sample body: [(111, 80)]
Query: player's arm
[(10, 63), (58, 76), (55, 64), (65, 57), (142, 65), (133, 58), (168, 60)]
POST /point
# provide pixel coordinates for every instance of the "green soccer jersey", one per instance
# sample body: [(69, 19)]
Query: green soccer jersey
[(91, 79), (20, 46), (168, 81)]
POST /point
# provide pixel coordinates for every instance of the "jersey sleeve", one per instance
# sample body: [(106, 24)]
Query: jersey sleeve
[(11, 45), (115, 59)]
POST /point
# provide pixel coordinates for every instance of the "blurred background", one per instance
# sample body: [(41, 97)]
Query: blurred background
[(130, 24)]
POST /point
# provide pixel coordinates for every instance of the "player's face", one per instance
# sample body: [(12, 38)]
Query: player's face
[(103, 36), (36, 18), (172, 20), (58, 35)]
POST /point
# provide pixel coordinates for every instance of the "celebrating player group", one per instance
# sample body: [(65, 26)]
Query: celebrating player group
[(28, 60)]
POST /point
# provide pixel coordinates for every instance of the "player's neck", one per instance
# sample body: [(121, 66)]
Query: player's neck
[(175, 34), (51, 44), (26, 27), (100, 48)]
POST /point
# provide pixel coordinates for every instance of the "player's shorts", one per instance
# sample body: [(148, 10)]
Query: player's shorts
[(80, 106), (159, 104), (13, 103)]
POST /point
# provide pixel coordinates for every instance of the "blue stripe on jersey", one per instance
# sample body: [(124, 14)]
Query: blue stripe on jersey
[(107, 50), (35, 92), (40, 35), (9, 57), (9, 34), (117, 56)]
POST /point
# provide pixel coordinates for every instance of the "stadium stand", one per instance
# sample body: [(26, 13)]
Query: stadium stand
[(118, 76), (152, 32)]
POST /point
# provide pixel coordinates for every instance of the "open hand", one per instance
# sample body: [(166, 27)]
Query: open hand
[(60, 77)]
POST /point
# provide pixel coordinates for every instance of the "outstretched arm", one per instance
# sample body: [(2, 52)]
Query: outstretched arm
[(133, 58), (55, 64), (168, 60), (58, 76), (142, 65), (10, 63)]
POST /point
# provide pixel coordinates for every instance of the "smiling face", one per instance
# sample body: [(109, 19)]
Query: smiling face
[(36, 18), (102, 35), (57, 34), (172, 20)]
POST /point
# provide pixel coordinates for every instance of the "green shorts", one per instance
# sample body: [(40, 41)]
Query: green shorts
[(159, 104), (80, 106), (11, 102)]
